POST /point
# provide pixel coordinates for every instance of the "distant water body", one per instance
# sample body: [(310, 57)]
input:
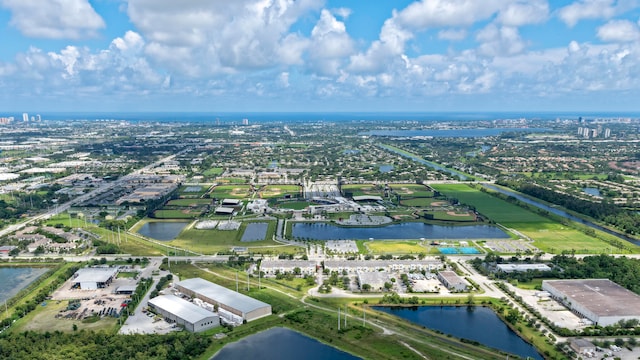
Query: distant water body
[(459, 133), (236, 117)]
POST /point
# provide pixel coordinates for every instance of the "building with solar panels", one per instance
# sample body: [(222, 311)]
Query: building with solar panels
[(600, 300), (239, 305), (179, 311)]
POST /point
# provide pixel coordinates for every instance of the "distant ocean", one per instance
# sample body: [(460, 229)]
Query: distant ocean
[(287, 117)]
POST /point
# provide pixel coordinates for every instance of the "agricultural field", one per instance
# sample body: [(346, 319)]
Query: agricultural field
[(395, 247), (279, 191), (231, 191), (362, 189), (547, 235)]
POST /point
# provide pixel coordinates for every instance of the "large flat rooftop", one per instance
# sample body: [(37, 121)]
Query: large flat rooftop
[(223, 295), (603, 297)]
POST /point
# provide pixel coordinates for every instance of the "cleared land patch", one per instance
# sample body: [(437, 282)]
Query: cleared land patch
[(395, 247)]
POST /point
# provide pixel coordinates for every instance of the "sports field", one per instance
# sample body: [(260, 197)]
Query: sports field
[(548, 235), (395, 247), (189, 202), (407, 191), (362, 189), (215, 171), (453, 215), (213, 241), (176, 214), (420, 202), (295, 205), (231, 191), (278, 191)]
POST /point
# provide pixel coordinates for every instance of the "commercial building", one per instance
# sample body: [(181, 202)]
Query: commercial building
[(270, 267), (452, 281), (354, 266), (230, 301), (179, 311), (509, 268), (582, 346), (600, 300), (93, 278)]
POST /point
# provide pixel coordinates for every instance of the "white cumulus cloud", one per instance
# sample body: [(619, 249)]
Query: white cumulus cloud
[(619, 31), (594, 9), (54, 19)]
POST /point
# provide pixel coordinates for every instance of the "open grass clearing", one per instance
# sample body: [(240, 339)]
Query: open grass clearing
[(295, 205), (176, 214), (395, 247), (214, 171), (43, 319), (232, 180), (452, 215), (420, 202)]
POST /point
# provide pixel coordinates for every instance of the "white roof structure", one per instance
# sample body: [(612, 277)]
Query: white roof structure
[(225, 210), (181, 308), (98, 275), (231, 202), (367, 198), (522, 267), (222, 295)]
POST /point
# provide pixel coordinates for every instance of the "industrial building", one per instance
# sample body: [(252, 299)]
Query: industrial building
[(452, 281), (600, 300), (93, 278), (179, 311), (237, 304), (509, 268)]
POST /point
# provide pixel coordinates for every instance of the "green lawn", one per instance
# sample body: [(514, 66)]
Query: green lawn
[(455, 215), (213, 171), (395, 247), (232, 180), (496, 209), (176, 214), (548, 235)]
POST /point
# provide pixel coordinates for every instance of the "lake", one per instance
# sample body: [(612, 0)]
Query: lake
[(15, 279), (592, 191), (280, 344), (422, 161), (163, 231), (408, 230), (465, 322), (254, 232)]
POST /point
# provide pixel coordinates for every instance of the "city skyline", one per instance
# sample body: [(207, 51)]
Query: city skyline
[(314, 55)]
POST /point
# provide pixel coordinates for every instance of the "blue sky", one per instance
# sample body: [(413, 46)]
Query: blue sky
[(319, 55)]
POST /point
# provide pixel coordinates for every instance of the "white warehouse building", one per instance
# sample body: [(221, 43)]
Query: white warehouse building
[(237, 304), (600, 300), (179, 311)]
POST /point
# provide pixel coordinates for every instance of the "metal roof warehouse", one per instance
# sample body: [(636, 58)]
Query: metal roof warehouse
[(192, 317), (241, 305), (94, 278)]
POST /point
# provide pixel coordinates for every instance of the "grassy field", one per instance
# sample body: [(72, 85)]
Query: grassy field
[(276, 191), (295, 205), (215, 171), (548, 235), (395, 247), (189, 202), (231, 191), (496, 209), (43, 319), (176, 214)]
